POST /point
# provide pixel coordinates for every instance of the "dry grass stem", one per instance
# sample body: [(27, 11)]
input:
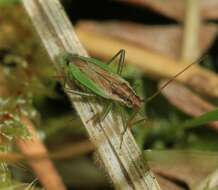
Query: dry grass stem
[(190, 47), (167, 38), (37, 154), (125, 166), (153, 64)]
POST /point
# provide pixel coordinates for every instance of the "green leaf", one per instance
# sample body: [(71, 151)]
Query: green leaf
[(201, 120)]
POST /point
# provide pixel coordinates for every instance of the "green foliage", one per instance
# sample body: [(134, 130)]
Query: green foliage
[(8, 2), (19, 186), (27, 62), (30, 81), (201, 120), (11, 110), (5, 174), (63, 126)]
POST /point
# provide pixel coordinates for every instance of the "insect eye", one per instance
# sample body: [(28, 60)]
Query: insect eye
[(127, 99)]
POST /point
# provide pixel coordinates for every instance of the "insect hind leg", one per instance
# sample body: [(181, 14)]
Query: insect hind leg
[(121, 55)]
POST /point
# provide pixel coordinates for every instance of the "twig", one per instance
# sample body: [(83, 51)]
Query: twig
[(125, 166), (71, 151), (190, 47)]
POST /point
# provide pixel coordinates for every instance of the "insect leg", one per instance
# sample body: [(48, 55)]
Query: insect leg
[(73, 91), (79, 93), (121, 55), (129, 123), (139, 121), (100, 117), (123, 116), (105, 111)]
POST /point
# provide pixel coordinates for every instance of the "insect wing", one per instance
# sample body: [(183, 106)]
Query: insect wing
[(114, 86), (106, 83), (85, 80), (96, 62)]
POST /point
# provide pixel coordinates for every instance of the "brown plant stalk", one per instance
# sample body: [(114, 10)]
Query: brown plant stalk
[(153, 64), (44, 168)]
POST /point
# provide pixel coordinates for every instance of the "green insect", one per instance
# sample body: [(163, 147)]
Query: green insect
[(95, 78)]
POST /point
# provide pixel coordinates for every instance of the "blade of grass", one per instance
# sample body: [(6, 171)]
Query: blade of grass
[(201, 120), (188, 102)]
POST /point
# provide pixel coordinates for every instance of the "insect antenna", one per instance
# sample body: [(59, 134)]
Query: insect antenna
[(149, 99)]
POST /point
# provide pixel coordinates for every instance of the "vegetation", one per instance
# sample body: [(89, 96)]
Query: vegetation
[(39, 129)]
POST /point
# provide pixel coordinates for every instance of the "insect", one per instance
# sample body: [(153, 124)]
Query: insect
[(95, 78), (98, 78)]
